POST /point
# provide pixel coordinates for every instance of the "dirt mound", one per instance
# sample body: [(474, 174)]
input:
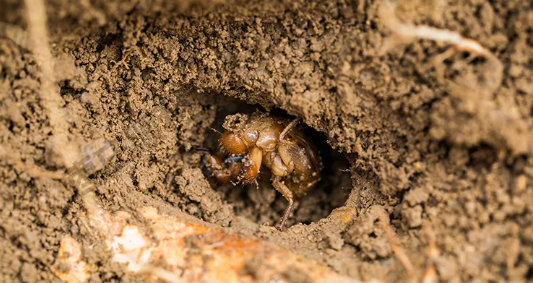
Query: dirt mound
[(437, 134)]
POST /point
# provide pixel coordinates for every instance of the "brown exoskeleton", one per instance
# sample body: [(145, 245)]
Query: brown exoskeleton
[(275, 143)]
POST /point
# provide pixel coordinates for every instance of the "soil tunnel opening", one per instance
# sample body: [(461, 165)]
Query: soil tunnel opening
[(264, 205)]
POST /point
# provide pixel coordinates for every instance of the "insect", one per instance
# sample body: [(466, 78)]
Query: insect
[(275, 143)]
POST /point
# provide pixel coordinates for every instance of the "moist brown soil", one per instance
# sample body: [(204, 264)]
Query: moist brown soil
[(442, 146)]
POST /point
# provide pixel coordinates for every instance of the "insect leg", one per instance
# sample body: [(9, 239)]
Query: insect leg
[(214, 165), (237, 158), (288, 128), (201, 148), (284, 190)]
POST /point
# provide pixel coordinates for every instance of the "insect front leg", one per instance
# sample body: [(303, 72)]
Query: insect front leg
[(251, 164), (215, 166)]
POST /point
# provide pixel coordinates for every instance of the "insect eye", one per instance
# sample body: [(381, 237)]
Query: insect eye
[(250, 136), (232, 143)]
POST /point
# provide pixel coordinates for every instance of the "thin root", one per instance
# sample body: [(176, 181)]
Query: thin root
[(391, 236), (409, 32), (430, 276), (12, 157)]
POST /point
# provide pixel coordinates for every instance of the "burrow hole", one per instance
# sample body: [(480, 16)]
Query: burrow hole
[(265, 205)]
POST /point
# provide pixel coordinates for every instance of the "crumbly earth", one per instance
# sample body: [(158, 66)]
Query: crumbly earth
[(441, 145)]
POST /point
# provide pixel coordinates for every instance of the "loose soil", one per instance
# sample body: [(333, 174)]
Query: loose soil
[(441, 145)]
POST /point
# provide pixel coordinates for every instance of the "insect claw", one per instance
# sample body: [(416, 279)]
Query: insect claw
[(215, 130), (201, 148), (236, 158)]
